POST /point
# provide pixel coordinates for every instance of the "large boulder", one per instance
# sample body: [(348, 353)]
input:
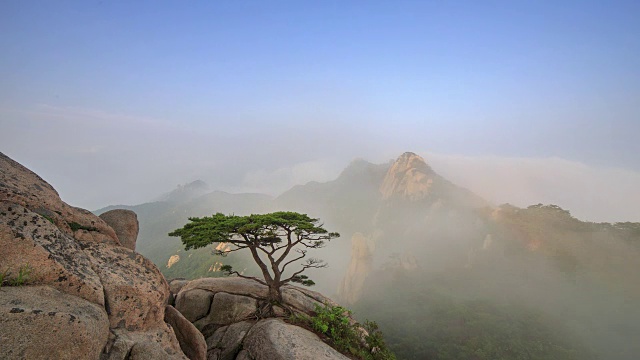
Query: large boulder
[(304, 300), (175, 285), (135, 290), (273, 339), (230, 324), (191, 341), (29, 241), (230, 285), (227, 309), (194, 304), (226, 342), (156, 343), (125, 224), (72, 291), (19, 185), (188, 299), (40, 322)]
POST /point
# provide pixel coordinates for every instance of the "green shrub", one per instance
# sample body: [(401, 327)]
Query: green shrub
[(375, 342), (347, 336)]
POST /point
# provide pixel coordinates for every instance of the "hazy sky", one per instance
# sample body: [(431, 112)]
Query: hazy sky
[(119, 101)]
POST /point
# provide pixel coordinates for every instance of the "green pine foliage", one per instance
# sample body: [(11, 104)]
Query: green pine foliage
[(275, 241)]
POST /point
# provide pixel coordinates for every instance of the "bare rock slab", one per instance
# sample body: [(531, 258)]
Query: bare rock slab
[(55, 258), (40, 322), (230, 285), (21, 186), (191, 341), (273, 339), (226, 342), (125, 224), (135, 290), (227, 309), (194, 304), (155, 343)]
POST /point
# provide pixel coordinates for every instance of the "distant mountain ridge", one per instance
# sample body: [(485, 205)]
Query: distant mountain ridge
[(184, 193), (401, 220)]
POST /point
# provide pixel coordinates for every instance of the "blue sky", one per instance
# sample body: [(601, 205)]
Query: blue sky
[(271, 85)]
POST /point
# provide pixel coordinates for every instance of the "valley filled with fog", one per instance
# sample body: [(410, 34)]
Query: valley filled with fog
[(446, 273), (479, 159)]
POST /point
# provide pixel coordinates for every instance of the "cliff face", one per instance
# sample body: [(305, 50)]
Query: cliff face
[(361, 264)]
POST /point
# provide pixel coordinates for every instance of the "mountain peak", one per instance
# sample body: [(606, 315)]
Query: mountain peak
[(186, 192), (412, 160), (409, 177)]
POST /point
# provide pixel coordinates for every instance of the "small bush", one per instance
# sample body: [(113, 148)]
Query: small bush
[(375, 342), (346, 336)]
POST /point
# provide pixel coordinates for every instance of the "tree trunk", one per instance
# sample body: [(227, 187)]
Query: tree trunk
[(275, 296)]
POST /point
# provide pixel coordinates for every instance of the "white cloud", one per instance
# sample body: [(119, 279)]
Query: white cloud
[(276, 181), (590, 193), (95, 158)]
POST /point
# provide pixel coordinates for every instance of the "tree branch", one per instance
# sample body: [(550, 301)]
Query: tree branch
[(311, 264), (303, 254), (288, 247)]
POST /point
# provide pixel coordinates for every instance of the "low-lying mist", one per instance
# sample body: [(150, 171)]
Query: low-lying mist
[(446, 273)]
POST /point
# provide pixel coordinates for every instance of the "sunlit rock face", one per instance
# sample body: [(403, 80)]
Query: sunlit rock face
[(172, 260), (409, 178)]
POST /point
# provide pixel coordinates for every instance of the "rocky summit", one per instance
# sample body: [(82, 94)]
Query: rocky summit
[(408, 177), (73, 287)]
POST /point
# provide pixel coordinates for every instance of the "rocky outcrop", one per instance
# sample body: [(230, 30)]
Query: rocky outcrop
[(157, 343), (272, 339), (227, 341), (226, 311), (125, 224), (361, 264), (191, 340), (53, 257), (22, 187), (70, 290), (40, 322), (409, 178), (135, 290)]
